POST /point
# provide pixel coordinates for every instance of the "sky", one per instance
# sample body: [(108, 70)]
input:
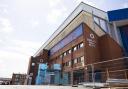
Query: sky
[(26, 24)]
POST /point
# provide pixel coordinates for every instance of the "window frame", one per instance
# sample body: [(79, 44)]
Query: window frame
[(75, 61), (81, 45), (64, 54), (75, 48), (69, 51)]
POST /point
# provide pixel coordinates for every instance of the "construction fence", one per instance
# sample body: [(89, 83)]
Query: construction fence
[(116, 69)]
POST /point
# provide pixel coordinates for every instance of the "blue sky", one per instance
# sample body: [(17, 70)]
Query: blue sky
[(26, 24)]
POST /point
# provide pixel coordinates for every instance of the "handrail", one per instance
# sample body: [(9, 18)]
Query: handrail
[(106, 61)]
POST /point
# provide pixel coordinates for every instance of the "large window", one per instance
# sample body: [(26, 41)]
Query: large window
[(75, 61), (81, 45), (75, 48), (79, 60), (102, 23), (69, 51), (65, 53), (96, 19), (68, 63), (33, 64), (73, 35)]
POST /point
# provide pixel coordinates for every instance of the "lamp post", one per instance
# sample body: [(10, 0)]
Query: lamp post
[(93, 75), (86, 69)]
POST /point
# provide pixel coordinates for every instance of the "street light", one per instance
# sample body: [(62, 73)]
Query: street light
[(93, 75)]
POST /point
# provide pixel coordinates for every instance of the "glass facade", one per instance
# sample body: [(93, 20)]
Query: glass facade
[(102, 23), (124, 36), (73, 35)]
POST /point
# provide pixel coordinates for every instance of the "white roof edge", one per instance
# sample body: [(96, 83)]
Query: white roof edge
[(81, 7)]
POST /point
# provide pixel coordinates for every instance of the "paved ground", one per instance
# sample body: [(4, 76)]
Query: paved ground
[(38, 87), (46, 87)]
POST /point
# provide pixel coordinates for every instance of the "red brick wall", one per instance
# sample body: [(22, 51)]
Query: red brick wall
[(92, 54), (109, 48)]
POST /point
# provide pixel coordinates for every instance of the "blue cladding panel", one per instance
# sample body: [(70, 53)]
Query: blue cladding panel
[(40, 79), (117, 15), (73, 35), (56, 66), (43, 66)]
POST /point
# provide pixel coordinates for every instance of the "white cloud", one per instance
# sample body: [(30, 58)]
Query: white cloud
[(7, 55), (12, 62), (23, 47), (25, 43), (5, 25), (78, 1), (53, 3), (34, 23), (92, 3), (56, 14), (15, 56), (3, 5), (125, 5), (5, 21), (1, 41), (7, 29), (1, 61), (3, 11), (86, 1)]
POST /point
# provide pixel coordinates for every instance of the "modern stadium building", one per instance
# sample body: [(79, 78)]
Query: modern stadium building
[(91, 45)]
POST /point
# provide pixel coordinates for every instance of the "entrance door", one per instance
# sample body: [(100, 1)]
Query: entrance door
[(78, 76), (97, 76), (52, 79), (66, 78)]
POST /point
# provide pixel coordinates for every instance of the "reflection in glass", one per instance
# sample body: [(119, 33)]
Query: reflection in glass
[(73, 35)]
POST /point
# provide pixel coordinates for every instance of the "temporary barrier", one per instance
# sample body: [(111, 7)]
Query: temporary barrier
[(41, 77), (48, 76)]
